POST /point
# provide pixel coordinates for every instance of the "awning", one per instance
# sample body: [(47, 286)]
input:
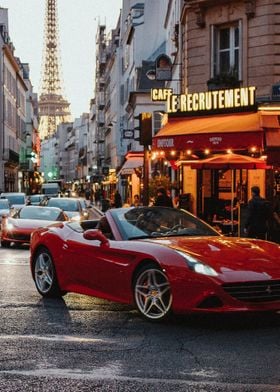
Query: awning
[(219, 132), (130, 164), (272, 138)]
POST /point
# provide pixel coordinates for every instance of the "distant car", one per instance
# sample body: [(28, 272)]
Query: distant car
[(4, 208), (16, 199), (35, 200), (18, 227), (160, 259), (70, 205)]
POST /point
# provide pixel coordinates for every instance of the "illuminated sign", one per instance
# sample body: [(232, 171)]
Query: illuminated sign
[(215, 100)]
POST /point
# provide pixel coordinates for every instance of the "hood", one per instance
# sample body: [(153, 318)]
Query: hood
[(72, 214), (30, 223), (227, 255)]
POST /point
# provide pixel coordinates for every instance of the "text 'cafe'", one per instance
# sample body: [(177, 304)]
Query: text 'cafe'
[(207, 124)]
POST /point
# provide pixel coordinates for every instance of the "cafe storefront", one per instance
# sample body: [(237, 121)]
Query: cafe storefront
[(203, 125)]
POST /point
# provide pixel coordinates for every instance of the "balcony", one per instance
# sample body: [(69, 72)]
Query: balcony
[(11, 156)]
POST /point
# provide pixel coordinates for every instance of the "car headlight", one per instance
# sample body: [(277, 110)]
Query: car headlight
[(196, 265), (10, 226)]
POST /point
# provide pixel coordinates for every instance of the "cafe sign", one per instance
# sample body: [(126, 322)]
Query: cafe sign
[(234, 99)]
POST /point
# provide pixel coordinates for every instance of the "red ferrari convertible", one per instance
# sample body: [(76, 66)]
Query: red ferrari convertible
[(17, 227), (162, 260)]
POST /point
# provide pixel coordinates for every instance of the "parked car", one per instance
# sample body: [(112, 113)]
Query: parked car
[(161, 259), (4, 208), (18, 227), (70, 205), (16, 199)]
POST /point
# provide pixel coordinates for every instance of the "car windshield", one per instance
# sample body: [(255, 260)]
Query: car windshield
[(145, 222), (40, 213), (15, 199), (36, 198), (4, 204), (64, 204)]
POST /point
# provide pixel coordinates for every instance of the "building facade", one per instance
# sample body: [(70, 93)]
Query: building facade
[(227, 47)]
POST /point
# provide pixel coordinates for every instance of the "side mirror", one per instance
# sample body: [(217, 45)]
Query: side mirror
[(95, 234)]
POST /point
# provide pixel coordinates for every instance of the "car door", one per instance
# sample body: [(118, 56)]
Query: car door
[(99, 268)]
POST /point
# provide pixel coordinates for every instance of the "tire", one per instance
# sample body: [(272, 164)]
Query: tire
[(5, 244), (44, 274), (152, 293)]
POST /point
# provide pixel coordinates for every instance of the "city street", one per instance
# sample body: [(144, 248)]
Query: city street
[(86, 344)]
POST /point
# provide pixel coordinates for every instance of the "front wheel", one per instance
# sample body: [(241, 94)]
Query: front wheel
[(45, 275), (152, 293), (5, 244)]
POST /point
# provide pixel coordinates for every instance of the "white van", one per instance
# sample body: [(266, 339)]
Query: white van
[(51, 189)]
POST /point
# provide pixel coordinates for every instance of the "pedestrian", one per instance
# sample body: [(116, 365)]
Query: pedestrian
[(259, 212), (275, 220), (162, 199), (117, 199), (176, 199), (136, 201)]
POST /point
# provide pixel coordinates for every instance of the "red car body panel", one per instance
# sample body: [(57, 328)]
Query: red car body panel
[(107, 270)]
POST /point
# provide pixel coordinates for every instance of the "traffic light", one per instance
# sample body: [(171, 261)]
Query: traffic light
[(145, 128)]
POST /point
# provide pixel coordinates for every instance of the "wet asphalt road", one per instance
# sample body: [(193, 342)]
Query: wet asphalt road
[(85, 344)]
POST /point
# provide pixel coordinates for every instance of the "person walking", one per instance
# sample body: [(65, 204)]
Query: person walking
[(117, 199), (162, 199), (259, 212)]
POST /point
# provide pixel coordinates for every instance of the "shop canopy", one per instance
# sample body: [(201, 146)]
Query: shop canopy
[(131, 163), (218, 132), (229, 161)]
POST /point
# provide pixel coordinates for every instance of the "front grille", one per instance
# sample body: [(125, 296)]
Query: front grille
[(264, 291), (20, 237)]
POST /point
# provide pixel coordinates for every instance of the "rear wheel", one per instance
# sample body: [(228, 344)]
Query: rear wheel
[(152, 293), (45, 275), (5, 244)]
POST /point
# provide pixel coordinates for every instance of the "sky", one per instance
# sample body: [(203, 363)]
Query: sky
[(78, 22)]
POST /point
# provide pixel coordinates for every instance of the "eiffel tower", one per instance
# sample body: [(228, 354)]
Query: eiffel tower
[(53, 108)]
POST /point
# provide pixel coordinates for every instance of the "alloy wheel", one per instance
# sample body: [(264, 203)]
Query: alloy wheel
[(44, 273), (152, 294)]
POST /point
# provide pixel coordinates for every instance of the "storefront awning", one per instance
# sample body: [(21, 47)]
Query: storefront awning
[(130, 164), (219, 132)]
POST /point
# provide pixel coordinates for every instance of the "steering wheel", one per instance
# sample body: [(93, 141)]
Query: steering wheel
[(177, 227)]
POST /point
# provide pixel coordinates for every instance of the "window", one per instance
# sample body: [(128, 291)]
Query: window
[(226, 51)]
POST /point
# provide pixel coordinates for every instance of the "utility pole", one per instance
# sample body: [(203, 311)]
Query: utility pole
[(146, 140)]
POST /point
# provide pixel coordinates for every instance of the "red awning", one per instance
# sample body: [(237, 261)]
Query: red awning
[(230, 161), (221, 132)]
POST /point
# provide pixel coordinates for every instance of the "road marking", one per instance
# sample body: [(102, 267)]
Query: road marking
[(109, 373), (55, 338)]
